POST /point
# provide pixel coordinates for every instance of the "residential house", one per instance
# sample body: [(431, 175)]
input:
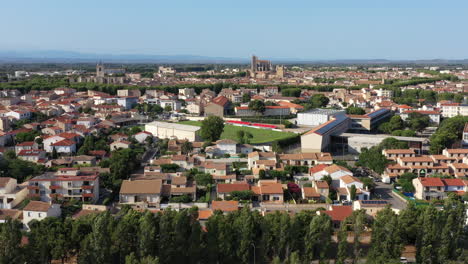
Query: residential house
[(434, 116), (19, 114), (28, 145), (64, 146), (123, 144), (11, 194), (268, 191), (219, 106), (319, 191), (338, 213), (142, 136), (37, 210), (334, 171), (141, 193), (306, 159), (226, 146), (224, 190), (87, 122), (345, 187), (32, 155), (429, 188), (84, 160), (436, 188), (127, 102), (225, 206), (371, 207), (180, 186), (274, 110)]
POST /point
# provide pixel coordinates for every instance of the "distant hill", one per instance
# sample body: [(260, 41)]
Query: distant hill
[(62, 56), (71, 56)]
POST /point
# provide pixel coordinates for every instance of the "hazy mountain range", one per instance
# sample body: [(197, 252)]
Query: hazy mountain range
[(63, 56)]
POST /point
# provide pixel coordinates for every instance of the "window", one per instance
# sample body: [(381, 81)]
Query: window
[(275, 198), (29, 214), (40, 215)]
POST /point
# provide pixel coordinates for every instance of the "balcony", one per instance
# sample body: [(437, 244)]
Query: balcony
[(88, 194), (33, 187), (55, 187), (87, 187), (56, 195)]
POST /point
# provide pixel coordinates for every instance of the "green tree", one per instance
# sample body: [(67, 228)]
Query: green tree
[(342, 252), (358, 221), (353, 192), (97, 245), (26, 136), (354, 110), (148, 234), (417, 121), (212, 128), (294, 258), (167, 108), (88, 145), (203, 179), (447, 134), (245, 98), (257, 106), (395, 123), (386, 240), (10, 242), (186, 147), (54, 153), (243, 137), (318, 237), (319, 100)]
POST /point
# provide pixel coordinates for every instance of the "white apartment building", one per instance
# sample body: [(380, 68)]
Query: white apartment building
[(66, 184), (454, 109)]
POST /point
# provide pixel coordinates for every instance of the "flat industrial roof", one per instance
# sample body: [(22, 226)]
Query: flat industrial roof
[(418, 139), (174, 126)]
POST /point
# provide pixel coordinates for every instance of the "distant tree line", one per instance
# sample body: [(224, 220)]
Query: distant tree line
[(50, 83), (239, 237)]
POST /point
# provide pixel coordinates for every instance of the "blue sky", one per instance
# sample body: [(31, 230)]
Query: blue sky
[(309, 29)]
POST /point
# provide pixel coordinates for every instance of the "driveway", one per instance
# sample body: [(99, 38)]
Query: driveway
[(384, 191)]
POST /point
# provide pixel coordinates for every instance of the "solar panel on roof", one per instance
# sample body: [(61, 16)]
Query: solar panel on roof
[(328, 127), (377, 113), (373, 202)]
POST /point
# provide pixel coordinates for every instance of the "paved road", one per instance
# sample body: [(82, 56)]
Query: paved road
[(384, 192)]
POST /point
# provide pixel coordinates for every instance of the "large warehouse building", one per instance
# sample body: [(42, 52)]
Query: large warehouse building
[(319, 139), (172, 130), (317, 116)]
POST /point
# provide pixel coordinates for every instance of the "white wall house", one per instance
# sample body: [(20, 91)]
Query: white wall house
[(37, 210), (10, 193), (226, 146)]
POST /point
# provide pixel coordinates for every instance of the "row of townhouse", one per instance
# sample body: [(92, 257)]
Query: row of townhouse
[(436, 188), (451, 162), (150, 189), (257, 161), (262, 191)]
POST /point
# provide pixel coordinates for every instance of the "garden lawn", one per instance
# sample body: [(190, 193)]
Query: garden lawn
[(259, 135)]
